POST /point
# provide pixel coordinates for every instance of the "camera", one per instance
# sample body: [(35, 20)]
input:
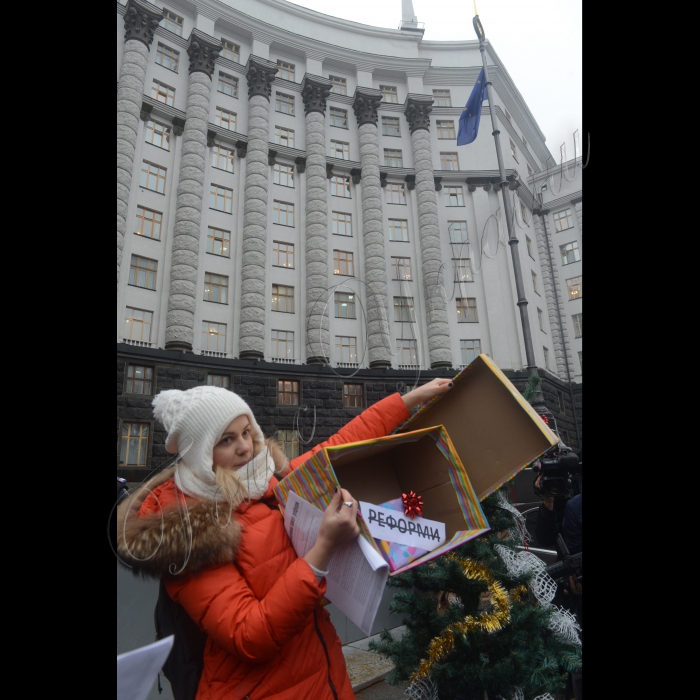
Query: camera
[(562, 475)]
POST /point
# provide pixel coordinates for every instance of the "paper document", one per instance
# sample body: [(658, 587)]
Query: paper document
[(390, 526), (358, 574), (137, 670)]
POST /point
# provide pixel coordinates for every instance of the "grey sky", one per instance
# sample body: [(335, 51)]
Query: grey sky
[(539, 41)]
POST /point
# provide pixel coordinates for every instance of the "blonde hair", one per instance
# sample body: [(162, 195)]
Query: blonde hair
[(231, 488)]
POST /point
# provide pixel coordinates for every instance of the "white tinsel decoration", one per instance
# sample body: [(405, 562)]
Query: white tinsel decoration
[(519, 533), (566, 627), (546, 696), (423, 690)]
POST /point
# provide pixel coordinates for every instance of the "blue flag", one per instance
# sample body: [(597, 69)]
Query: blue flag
[(471, 117)]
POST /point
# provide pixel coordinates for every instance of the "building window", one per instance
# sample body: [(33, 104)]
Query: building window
[(398, 230), (172, 22), (283, 345), (288, 71), (443, 98), (221, 381), (546, 358), (283, 175), (283, 255), (529, 247), (221, 199), (225, 119), (284, 104), (509, 118), (288, 393), (404, 310), (446, 130), (563, 220), (167, 57), (575, 285), (342, 224), (390, 93), (463, 270), (527, 218), (562, 402), (148, 223), (340, 150), (471, 349), (354, 396), (143, 272), (138, 324), (284, 214), (535, 283), (346, 349), (402, 269), (289, 443), (514, 151), (219, 242), (284, 137), (459, 233), (222, 158), (339, 85), (134, 449), (153, 177), (396, 194), (339, 117), (540, 316), (530, 171), (580, 360), (231, 51), (215, 288), (340, 186), (213, 337), (393, 158), (344, 263), (570, 253), (578, 325), (228, 85), (345, 305), (391, 126), (454, 197), (408, 352), (467, 311), (282, 299), (158, 134), (139, 380), (163, 93), (449, 161)]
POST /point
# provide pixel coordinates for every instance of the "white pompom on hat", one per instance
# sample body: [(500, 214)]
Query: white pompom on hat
[(195, 421)]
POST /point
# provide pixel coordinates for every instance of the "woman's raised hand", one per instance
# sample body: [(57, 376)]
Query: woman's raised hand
[(425, 394)]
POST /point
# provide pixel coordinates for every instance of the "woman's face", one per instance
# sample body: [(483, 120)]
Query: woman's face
[(236, 447)]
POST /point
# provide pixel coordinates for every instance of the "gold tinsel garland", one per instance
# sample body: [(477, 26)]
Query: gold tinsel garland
[(487, 622)]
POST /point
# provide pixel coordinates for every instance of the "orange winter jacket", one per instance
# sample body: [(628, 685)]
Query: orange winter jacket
[(269, 637)]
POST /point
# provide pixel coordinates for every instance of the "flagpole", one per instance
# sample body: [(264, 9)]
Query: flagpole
[(505, 189)]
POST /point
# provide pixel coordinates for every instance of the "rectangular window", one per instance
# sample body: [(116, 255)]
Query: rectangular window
[(408, 352), (398, 230), (446, 130), (341, 150), (391, 126), (404, 310), (339, 117), (509, 118), (283, 255), (288, 71), (340, 186), (134, 447), (158, 134), (289, 443), (225, 119), (393, 158), (530, 171), (575, 285), (396, 194), (563, 220), (345, 305), (529, 247), (138, 324), (339, 85), (139, 380), (578, 325), (213, 337), (228, 85), (443, 98), (288, 393), (463, 270), (163, 93), (390, 93), (153, 177), (402, 269), (540, 316), (222, 158), (148, 223), (284, 214), (219, 242), (570, 253), (284, 104), (535, 283), (231, 51), (449, 161), (342, 224), (344, 263), (283, 345), (282, 299), (454, 196), (143, 272), (527, 217), (459, 233), (221, 381), (546, 358), (354, 396), (172, 22), (514, 151), (283, 175), (221, 199), (580, 360), (467, 311), (346, 350), (215, 288), (167, 57), (284, 137), (471, 349), (562, 402)]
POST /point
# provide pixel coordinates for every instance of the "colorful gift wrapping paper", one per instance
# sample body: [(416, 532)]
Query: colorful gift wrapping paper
[(398, 555)]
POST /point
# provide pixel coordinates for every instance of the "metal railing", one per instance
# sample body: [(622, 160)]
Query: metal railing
[(139, 343), (210, 353), (283, 360), (409, 367), (349, 365)]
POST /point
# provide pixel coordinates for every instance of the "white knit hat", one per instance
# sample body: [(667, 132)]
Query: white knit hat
[(195, 421)]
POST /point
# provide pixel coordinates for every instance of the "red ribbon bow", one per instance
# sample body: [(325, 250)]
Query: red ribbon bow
[(413, 505)]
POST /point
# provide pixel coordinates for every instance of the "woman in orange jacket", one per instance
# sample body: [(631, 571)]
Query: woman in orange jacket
[(212, 529)]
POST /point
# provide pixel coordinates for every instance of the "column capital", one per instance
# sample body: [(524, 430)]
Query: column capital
[(411, 182), (418, 111), (203, 51), (146, 110), (141, 20), (301, 165), (242, 149), (366, 106), (261, 74), (315, 92), (438, 184), (272, 158), (356, 174), (178, 126)]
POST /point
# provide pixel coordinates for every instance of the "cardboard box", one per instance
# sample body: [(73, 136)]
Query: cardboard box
[(378, 471), (495, 431)]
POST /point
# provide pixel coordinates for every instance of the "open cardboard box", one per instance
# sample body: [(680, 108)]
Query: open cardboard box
[(382, 470), (495, 431)]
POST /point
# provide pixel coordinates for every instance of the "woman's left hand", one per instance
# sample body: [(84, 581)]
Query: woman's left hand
[(425, 394)]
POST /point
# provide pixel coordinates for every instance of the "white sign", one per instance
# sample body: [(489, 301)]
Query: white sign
[(137, 670), (392, 526)]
